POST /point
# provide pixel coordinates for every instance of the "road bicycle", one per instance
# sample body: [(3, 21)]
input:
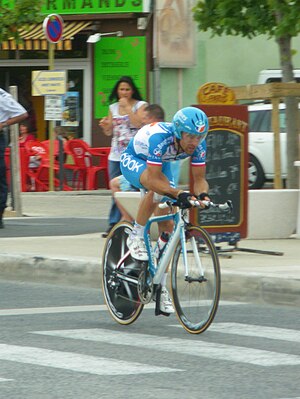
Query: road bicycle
[(129, 284)]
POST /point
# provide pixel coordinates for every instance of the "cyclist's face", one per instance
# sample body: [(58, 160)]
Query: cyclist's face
[(124, 90), (189, 142)]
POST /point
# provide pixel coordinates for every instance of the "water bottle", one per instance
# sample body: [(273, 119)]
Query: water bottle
[(161, 243)]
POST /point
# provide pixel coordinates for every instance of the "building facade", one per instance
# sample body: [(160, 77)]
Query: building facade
[(92, 68), (159, 46)]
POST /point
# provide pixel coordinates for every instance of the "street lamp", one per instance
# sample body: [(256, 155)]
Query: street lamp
[(97, 36)]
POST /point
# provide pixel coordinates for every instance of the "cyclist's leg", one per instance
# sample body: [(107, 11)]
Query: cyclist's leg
[(165, 302), (119, 183), (132, 168), (168, 224), (114, 214)]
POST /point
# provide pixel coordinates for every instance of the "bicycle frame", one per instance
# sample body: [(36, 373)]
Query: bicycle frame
[(158, 269)]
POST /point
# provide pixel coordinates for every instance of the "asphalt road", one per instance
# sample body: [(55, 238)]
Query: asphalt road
[(60, 342), (54, 226)]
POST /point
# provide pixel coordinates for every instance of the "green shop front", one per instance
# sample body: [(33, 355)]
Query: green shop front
[(93, 67)]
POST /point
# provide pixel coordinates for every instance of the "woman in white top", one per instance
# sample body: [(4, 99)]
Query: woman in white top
[(125, 117)]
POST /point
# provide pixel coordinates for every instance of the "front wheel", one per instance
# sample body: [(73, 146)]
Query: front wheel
[(196, 292), (120, 295)]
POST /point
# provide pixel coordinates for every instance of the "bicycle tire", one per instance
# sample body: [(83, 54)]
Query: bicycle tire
[(120, 296), (196, 301)]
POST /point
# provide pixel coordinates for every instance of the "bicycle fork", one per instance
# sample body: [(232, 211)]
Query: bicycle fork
[(197, 259)]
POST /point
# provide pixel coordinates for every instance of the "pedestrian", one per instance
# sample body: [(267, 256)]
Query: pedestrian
[(11, 112), (126, 113), (25, 134)]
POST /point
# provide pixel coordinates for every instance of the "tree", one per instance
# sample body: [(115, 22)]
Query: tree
[(18, 15), (278, 19)]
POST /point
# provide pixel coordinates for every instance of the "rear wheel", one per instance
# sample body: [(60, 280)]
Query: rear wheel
[(196, 296), (121, 296)]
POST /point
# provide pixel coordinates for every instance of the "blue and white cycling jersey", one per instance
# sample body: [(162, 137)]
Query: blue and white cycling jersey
[(155, 143)]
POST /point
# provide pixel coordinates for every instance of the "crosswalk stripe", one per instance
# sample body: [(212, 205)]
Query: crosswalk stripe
[(248, 330), (5, 379), (193, 347), (54, 309), (76, 362), (82, 308)]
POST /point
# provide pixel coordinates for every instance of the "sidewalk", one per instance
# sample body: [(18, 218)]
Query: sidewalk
[(76, 259)]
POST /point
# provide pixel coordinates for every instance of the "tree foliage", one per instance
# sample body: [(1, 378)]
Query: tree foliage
[(249, 18), (20, 16), (278, 19)]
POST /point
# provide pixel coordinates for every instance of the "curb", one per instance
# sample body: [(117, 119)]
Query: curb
[(86, 273), (255, 288)]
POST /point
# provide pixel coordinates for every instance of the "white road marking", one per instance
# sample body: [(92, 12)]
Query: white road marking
[(82, 308), (76, 362), (248, 330), (193, 347), (5, 379), (58, 309)]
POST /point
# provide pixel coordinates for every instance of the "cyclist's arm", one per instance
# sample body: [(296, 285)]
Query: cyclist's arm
[(200, 182), (153, 179)]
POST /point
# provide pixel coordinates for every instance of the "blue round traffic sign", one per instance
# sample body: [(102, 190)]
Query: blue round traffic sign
[(53, 26)]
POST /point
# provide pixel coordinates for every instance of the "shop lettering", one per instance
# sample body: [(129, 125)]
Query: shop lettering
[(215, 93), (227, 121), (90, 4)]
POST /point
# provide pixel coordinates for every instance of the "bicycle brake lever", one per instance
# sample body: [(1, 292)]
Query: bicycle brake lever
[(166, 204)]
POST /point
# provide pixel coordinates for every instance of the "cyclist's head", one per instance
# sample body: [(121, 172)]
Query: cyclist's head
[(190, 120)]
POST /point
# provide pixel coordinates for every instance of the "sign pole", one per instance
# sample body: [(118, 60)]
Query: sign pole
[(51, 125), (15, 162), (53, 29)]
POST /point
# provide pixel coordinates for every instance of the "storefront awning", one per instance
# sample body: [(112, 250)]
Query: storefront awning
[(33, 38)]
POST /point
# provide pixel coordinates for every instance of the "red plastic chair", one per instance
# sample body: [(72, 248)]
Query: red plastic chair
[(40, 174), (102, 154), (46, 143), (84, 172)]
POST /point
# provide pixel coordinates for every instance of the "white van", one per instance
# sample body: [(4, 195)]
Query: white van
[(275, 75), (261, 145)]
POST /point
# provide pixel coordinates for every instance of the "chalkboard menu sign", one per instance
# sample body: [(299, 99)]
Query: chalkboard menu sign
[(226, 168)]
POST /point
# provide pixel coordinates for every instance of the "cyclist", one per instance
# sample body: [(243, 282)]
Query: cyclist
[(152, 113), (146, 164)]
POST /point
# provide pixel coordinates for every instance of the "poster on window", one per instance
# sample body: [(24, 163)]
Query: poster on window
[(175, 33), (53, 107), (116, 57), (71, 109)]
